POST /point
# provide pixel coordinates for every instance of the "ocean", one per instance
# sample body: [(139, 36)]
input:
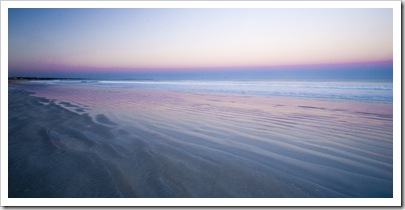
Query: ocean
[(373, 91)]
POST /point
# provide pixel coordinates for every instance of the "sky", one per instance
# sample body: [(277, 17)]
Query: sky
[(197, 42)]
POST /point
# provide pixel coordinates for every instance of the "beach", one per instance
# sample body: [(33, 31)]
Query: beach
[(110, 141)]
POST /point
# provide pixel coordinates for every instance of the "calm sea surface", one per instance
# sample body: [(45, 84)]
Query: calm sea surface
[(350, 90)]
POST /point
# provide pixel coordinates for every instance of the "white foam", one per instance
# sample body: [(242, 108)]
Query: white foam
[(351, 90)]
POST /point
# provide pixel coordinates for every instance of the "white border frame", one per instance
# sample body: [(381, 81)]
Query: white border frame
[(395, 201)]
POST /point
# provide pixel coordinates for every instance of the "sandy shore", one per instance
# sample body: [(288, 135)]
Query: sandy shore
[(100, 142)]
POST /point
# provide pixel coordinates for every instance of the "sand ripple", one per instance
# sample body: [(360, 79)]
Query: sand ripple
[(121, 142)]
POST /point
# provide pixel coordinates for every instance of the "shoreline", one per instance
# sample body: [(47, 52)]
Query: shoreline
[(172, 144), (41, 78), (151, 89)]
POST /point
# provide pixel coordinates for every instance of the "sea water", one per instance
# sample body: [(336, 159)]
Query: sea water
[(375, 91)]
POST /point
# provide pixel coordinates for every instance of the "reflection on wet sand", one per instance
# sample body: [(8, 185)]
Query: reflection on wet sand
[(75, 141)]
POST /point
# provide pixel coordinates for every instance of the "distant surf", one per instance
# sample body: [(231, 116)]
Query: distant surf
[(374, 91)]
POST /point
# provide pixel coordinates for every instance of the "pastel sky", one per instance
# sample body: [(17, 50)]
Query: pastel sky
[(74, 42)]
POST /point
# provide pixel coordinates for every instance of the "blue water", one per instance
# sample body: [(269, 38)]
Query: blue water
[(370, 91)]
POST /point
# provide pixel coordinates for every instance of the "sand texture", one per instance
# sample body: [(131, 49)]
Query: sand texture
[(77, 141)]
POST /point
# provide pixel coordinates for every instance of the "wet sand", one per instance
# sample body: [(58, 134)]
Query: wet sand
[(71, 141)]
